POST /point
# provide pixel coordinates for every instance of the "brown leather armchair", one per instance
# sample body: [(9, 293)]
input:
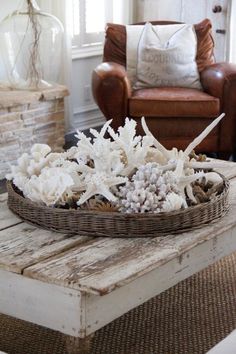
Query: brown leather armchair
[(174, 115)]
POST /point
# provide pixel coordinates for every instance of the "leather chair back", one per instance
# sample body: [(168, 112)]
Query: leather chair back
[(115, 43)]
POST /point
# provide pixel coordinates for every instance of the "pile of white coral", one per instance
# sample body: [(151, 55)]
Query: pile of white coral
[(127, 172)]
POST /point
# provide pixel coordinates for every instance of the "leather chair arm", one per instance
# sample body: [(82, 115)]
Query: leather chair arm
[(219, 80), (216, 79), (111, 89)]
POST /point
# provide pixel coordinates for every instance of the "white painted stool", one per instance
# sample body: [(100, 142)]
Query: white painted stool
[(226, 346)]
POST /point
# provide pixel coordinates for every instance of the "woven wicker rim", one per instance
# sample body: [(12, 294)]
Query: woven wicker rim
[(116, 224)]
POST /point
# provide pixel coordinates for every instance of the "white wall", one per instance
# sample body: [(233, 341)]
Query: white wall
[(190, 11), (151, 10), (86, 112)]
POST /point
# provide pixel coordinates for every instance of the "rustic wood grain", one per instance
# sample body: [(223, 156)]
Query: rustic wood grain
[(100, 310), (14, 98), (228, 168), (116, 259), (102, 265), (7, 218), (24, 245), (47, 305)]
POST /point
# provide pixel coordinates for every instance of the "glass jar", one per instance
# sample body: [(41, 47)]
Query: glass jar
[(31, 47)]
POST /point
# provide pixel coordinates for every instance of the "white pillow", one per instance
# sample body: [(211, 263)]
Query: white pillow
[(166, 57), (133, 34)]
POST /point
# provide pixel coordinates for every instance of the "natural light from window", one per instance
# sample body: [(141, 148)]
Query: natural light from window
[(89, 20), (76, 18), (95, 16)]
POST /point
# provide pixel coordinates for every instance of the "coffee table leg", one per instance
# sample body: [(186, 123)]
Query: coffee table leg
[(76, 345)]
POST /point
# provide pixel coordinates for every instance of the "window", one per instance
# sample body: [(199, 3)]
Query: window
[(90, 17)]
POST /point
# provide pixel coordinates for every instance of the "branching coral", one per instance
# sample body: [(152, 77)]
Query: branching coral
[(134, 148), (106, 170)]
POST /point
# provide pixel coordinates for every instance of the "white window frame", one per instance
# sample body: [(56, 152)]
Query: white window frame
[(91, 44)]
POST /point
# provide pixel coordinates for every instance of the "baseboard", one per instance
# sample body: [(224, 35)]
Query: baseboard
[(88, 117)]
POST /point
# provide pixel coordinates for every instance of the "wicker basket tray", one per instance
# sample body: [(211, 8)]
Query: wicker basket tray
[(115, 224)]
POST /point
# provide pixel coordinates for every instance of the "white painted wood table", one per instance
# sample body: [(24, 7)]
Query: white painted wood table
[(76, 285)]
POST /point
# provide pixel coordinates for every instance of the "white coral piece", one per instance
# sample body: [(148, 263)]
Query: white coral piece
[(135, 148), (213, 177), (20, 169), (20, 181), (173, 202), (40, 150), (154, 155), (70, 167), (100, 152), (32, 164), (148, 190), (51, 187), (105, 168)]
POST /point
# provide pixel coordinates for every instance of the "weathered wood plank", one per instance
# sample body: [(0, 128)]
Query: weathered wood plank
[(228, 168), (96, 258), (232, 191), (100, 310), (67, 311), (24, 245), (117, 275), (121, 273), (7, 218), (105, 264), (44, 304)]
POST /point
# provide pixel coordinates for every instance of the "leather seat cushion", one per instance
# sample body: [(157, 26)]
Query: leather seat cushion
[(173, 102)]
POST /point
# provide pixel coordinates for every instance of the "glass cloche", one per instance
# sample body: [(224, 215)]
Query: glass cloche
[(31, 47)]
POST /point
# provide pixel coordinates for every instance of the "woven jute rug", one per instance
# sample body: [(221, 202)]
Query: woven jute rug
[(189, 318)]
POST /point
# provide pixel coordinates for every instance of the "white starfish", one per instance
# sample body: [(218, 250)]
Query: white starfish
[(99, 183)]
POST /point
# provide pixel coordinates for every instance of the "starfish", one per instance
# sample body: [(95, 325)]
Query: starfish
[(99, 183)]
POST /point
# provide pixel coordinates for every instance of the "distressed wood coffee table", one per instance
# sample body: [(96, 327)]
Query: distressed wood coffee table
[(76, 285)]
